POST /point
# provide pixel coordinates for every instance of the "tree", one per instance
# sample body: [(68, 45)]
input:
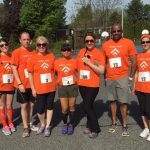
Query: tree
[(42, 17)]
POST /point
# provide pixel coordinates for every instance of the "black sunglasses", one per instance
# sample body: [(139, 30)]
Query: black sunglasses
[(144, 42), (87, 41), (3, 45), (66, 49), (114, 31), (43, 45)]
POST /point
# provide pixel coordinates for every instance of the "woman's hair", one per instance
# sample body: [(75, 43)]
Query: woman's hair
[(89, 34), (3, 40), (43, 39)]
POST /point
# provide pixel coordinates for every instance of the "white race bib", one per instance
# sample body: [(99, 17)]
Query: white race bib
[(84, 74), (115, 62), (26, 73), (46, 78), (67, 80), (7, 78), (144, 76)]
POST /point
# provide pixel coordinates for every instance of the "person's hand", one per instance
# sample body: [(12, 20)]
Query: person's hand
[(86, 60), (34, 93), (21, 88)]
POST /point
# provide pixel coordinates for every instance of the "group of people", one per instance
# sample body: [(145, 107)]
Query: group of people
[(35, 73)]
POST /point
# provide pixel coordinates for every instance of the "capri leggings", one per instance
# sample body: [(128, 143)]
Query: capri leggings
[(144, 102), (45, 102)]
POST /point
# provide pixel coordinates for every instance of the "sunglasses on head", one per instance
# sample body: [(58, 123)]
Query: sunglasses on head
[(66, 49), (2, 45), (114, 31), (144, 42), (42, 45), (87, 41)]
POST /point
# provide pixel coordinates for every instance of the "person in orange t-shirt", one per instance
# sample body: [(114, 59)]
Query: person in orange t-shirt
[(90, 63), (7, 89), (66, 69), (42, 81), (20, 57), (118, 51), (142, 84)]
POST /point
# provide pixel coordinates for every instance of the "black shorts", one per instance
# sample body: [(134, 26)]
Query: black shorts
[(7, 92), (25, 97)]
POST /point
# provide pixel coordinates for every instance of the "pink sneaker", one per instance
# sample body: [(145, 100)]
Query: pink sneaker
[(6, 130), (12, 127)]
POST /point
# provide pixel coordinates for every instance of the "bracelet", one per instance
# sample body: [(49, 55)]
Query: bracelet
[(19, 84), (130, 78)]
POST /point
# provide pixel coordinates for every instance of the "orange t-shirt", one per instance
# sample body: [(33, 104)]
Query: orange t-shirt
[(42, 69), (66, 71), (142, 82), (6, 74), (20, 58), (117, 55), (86, 76)]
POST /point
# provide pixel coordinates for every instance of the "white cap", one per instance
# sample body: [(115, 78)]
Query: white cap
[(145, 31), (105, 34)]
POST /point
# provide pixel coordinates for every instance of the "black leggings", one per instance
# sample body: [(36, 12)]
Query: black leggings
[(45, 102), (88, 95), (144, 103)]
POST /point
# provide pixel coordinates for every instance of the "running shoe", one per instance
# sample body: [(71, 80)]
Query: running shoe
[(12, 127), (125, 132), (6, 130), (40, 130), (113, 128), (93, 135), (25, 133), (33, 127), (148, 138), (64, 129), (144, 133), (70, 129), (47, 132)]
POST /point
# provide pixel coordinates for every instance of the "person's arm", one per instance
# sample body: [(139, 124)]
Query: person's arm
[(18, 81), (32, 84), (99, 69)]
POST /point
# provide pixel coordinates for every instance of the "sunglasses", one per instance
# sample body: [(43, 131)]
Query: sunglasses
[(87, 41), (144, 42), (42, 45), (66, 50), (114, 31), (3, 45)]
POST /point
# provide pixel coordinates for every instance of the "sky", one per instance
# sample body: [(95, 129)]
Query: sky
[(71, 9)]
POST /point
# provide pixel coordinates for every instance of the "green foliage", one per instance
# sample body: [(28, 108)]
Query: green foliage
[(42, 17), (114, 17)]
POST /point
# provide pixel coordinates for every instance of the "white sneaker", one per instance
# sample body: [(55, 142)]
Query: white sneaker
[(148, 138), (145, 133), (33, 127)]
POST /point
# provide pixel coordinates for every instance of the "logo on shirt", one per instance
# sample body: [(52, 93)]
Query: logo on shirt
[(7, 66), (143, 64), (65, 70), (115, 52), (45, 66)]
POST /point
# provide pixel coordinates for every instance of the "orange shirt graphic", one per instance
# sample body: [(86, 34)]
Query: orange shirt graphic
[(6, 74), (66, 71), (20, 58), (117, 57), (86, 76), (42, 69), (142, 82)]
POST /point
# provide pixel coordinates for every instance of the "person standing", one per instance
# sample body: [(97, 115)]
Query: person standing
[(7, 89), (20, 57), (90, 62), (118, 51), (42, 81), (66, 69), (142, 84)]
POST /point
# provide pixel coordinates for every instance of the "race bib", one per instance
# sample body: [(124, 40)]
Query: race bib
[(7, 78), (144, 76), (46, 78), (84, 74), (115, 62), (67, 80), (26, 73)]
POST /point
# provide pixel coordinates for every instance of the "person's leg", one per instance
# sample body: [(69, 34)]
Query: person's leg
[(113, 105), (123, 109)]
